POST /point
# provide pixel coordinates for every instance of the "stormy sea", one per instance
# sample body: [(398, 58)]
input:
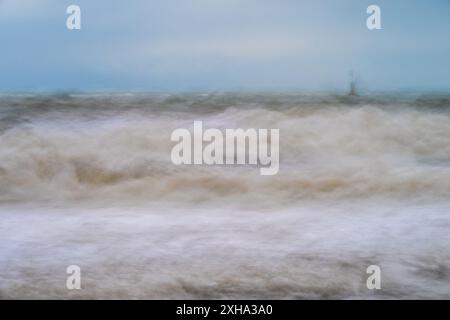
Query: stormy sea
[(87, 180)]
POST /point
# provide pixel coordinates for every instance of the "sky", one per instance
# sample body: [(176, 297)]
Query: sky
[(224, 45)]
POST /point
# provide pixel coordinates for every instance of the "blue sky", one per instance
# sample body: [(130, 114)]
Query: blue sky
[(209, 45)]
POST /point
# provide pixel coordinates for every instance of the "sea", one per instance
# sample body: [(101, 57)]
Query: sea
[(86, 179)]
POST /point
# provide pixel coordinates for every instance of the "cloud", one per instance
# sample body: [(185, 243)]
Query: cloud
[(199, 42)]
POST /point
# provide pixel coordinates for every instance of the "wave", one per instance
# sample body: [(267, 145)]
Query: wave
[(87, 179), (117, 148)]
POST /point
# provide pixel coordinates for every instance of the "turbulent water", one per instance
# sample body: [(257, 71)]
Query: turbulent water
[(87, 179)]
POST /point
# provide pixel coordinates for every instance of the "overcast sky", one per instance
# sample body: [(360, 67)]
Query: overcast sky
[(208, 45)]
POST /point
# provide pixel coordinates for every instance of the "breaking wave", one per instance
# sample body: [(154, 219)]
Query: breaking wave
[(118, 148)]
